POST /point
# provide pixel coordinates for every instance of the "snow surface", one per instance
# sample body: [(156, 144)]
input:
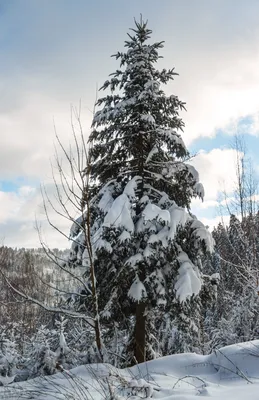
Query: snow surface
[(230, 373)]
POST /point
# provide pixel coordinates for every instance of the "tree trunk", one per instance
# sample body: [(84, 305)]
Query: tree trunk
[(97, 330), (140, 333)]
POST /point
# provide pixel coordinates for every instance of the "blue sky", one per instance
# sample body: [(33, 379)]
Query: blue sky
[(223, 139), (54, 53)]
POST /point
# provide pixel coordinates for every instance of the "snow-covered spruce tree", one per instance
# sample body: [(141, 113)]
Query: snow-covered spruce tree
[(141, 194)]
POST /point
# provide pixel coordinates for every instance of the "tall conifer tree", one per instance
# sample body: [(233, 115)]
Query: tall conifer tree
[(141, 192)]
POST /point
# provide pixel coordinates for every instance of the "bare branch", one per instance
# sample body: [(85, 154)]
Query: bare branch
[(70, 313)]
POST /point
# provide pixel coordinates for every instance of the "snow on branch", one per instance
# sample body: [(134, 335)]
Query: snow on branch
[(137, 291), (188, 281)]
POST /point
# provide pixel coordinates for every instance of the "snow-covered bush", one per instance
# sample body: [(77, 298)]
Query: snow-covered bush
[(8, 357)]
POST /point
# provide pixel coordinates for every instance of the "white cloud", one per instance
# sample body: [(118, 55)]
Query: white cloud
[(217, 172), (214, 49), (22, 212), (218, 175), (220, 97), (212, 223), (216, 54), (205, 204), (28, 136)]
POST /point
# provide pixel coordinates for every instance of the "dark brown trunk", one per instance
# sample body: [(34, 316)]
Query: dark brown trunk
[(98, 339), (140, 333)]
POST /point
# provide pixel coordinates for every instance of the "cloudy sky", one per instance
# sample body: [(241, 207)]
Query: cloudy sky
[(53, 53)]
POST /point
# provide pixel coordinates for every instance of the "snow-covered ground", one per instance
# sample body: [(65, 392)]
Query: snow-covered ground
[(231, 373)]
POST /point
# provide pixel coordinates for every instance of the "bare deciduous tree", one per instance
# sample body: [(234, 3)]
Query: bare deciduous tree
[(70, 175), (243, 200)]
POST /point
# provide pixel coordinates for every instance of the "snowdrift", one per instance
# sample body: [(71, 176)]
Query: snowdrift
[(229, 373)]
